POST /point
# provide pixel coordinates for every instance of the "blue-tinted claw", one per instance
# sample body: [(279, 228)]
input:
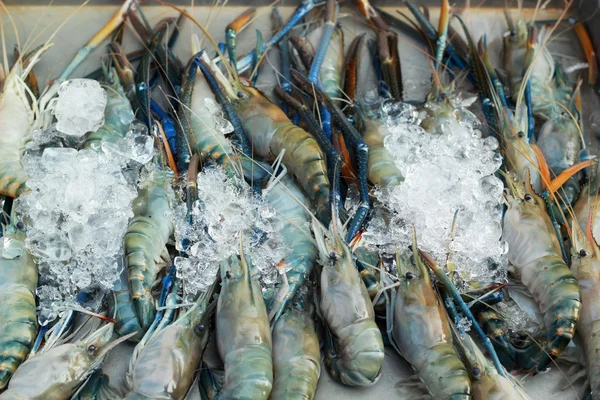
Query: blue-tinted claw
[(300, 12), (238, 129), (258, 51)]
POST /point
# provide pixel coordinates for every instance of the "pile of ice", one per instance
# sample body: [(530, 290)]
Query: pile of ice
[(78, 209), (223, 214), (447, 173), (80, 106)]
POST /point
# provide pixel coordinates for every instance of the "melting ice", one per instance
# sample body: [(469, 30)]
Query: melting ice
[(77, 213), (446, 173), (222, 213), (80, 106)]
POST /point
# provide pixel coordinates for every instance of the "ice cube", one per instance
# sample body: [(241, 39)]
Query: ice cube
[(80, 107)]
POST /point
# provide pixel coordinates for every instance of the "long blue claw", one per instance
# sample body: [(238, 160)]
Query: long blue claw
[(530, 120), (351, 135), (300, 12), (455, 294), (168, 126), (238, 129)]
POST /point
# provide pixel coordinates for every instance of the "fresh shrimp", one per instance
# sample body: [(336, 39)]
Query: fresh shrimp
[(165, 365), (18, 282), (243, 334), (58, 372), (535, 255), (296, 351), (146, 238), (347, 311), (419, 328)]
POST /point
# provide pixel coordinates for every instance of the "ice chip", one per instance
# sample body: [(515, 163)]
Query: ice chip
[(80, 107), (223, 125), (141, 145)]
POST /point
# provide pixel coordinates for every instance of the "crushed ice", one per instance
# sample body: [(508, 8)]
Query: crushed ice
[(447, 173), (222, 213), (77, 212), (80, 106)]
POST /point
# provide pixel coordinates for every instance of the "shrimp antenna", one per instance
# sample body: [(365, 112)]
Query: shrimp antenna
[(212, 41)]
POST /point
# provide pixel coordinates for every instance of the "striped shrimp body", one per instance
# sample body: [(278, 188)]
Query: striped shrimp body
[(118, 113), (535, 256), (166, 364), (291, 206), (122, 311), (585, 264), (18, 282), (145, 241), (199, 122), (296, 353), (243, 334), (421, 333), (348, 313), (18, 118), (271, 131), (58, 372), (486, 382), (382, 169)]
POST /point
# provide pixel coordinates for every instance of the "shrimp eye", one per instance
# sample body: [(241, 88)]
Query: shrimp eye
[(242, 95), (513, 33), (91, 348), (20, 225), (476, 371), (199, 329), (228, 274), (410, 275), (582, 253), (527, 197), (521, 134), (333, 255)]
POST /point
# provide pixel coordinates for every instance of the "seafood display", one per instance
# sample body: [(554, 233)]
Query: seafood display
[(192, 212)]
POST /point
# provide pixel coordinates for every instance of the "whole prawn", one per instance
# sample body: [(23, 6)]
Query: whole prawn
[(146, 238), (243, 334), (535, 255), (18, 282), (420, 331), (347, 311), (296, 351), (57, 373), (166, 364)]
